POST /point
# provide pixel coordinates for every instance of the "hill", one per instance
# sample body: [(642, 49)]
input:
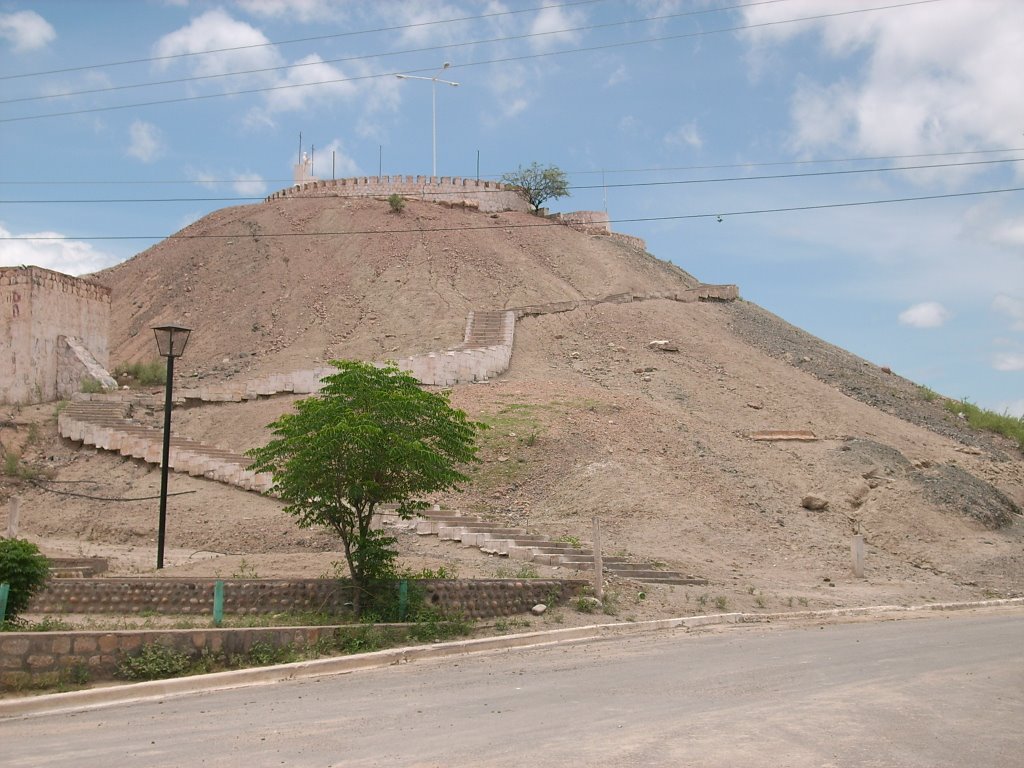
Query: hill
[(589, 420)]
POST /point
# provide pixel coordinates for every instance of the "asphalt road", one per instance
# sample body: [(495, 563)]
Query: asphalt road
[(930, 692)]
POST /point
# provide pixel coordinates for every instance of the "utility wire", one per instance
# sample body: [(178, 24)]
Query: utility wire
[(509, 225), (42, 487), (651, 169), (675, 182), (482, 62), (387, 54), (303, 40)]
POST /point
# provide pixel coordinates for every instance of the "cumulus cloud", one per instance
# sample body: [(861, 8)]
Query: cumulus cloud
[(911, 95), (145, 143), (296, 10), (1012, 308), (1008, 361), (72, 257), (344, 165), (300, 94), (213, 31), (26, 30), (928, 314), (620, 75), (686, 134), (548, 25)]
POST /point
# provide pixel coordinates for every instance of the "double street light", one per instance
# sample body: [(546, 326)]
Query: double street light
[(433, 103), (170, 341)]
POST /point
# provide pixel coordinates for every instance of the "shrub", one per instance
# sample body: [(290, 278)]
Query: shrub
[(147, 374), (397, 203), (990, 421), (25, 570), (154, 662), (90, 386)]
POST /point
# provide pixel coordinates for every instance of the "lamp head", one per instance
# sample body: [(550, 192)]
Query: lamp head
[(171, 339)]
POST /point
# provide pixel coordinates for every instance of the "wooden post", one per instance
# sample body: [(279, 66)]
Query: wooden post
[(12, 518), (598, 562), (857, 553)]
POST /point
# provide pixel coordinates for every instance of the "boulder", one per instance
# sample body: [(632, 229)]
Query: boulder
[(814, 502)]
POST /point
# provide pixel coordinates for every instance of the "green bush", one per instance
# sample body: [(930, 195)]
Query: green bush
[(147, 374), (90, 386), (25, 570), (990, 421), (154, 662), (397, 203)]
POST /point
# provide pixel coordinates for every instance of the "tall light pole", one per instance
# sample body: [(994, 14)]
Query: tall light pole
[(433, 105), (170, 341)]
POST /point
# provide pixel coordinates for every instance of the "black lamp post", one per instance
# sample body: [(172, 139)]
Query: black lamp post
[(171, 341)]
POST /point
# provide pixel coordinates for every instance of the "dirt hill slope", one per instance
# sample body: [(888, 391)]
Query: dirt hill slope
[(589, 420)]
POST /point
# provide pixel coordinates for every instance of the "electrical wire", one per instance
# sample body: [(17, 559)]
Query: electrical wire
[(465, 65), (388, 54), (509, 225), (42, 487), (674, 182)]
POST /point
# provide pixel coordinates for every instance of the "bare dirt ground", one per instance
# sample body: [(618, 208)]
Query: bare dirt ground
[(589, 421)]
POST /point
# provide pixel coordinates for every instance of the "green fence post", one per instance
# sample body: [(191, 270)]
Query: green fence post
[(403, 599), (5, 590), (218, 602)]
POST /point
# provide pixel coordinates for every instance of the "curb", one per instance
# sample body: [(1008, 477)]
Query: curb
[(55, 703)]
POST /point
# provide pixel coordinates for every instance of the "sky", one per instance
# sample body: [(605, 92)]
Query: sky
[(856, 167)]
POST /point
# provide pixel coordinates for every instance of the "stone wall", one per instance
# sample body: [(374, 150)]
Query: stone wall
[(36, 307), (475, 598), (482, 195)]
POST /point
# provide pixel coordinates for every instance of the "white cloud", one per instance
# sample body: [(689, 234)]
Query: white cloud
[(26, 30), (1008, 361), (216, 30), (1011, 307), (72, 257), (297, 10), (686, 134), (953, 83), (145, 144), (344, 165), (928, 314), (620, 75), (249, 185), (312, 70), (548, 23)]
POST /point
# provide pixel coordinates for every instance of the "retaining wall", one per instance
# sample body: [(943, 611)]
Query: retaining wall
[(76, 365), (483, 195)]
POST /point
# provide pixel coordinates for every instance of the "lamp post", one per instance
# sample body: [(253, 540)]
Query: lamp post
[(170, 341), (433, 105)]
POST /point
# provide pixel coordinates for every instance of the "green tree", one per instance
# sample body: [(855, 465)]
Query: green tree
[(25, 570), (536, 184), (371, 436)]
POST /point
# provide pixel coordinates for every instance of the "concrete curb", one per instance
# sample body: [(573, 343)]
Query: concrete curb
[(157, 689)]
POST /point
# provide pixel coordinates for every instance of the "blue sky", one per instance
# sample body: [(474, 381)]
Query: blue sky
[(672, 116)]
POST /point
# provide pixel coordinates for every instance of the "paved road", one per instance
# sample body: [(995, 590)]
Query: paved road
[(932, 692)]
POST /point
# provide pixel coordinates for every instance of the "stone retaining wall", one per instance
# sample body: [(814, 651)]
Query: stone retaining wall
[(482, 195), (76, 365), (474, 598)]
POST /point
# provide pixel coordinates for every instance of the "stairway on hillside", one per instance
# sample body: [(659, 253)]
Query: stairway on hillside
[(495, 538)]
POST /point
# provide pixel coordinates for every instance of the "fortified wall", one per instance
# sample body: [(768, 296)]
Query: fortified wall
[(484, 195), (53, 333)]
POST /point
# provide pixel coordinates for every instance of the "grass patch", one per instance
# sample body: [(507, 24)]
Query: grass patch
[(145, 374), (989, 421)]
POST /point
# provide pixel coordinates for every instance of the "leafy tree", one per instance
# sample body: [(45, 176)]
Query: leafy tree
[(25, 570), (537, 184), (371, 436)]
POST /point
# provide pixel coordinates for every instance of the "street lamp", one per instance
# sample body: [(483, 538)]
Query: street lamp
[(433, 104), (170, 341)]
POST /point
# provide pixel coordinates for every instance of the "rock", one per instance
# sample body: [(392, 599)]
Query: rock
[(755, 406), (859, 493), (886, 369), (538, 609), (663, 345), (814, 502)]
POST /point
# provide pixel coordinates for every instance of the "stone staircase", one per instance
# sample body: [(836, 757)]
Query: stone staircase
[(106, 425), (77, 567), (495, 538)]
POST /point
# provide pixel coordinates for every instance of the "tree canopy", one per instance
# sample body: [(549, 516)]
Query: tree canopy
[(537, 183), (371, 436)]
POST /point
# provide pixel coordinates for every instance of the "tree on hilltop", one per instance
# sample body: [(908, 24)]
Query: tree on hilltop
[(371, 436), (538, 184)]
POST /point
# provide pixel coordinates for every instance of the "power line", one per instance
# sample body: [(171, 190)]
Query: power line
[(675, 182), (508, 225), (299, 40), (344, 59), (503, 60), (650, 169)]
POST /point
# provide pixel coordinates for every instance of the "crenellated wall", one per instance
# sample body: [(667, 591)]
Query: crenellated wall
[(481, 195), (37, 306)]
